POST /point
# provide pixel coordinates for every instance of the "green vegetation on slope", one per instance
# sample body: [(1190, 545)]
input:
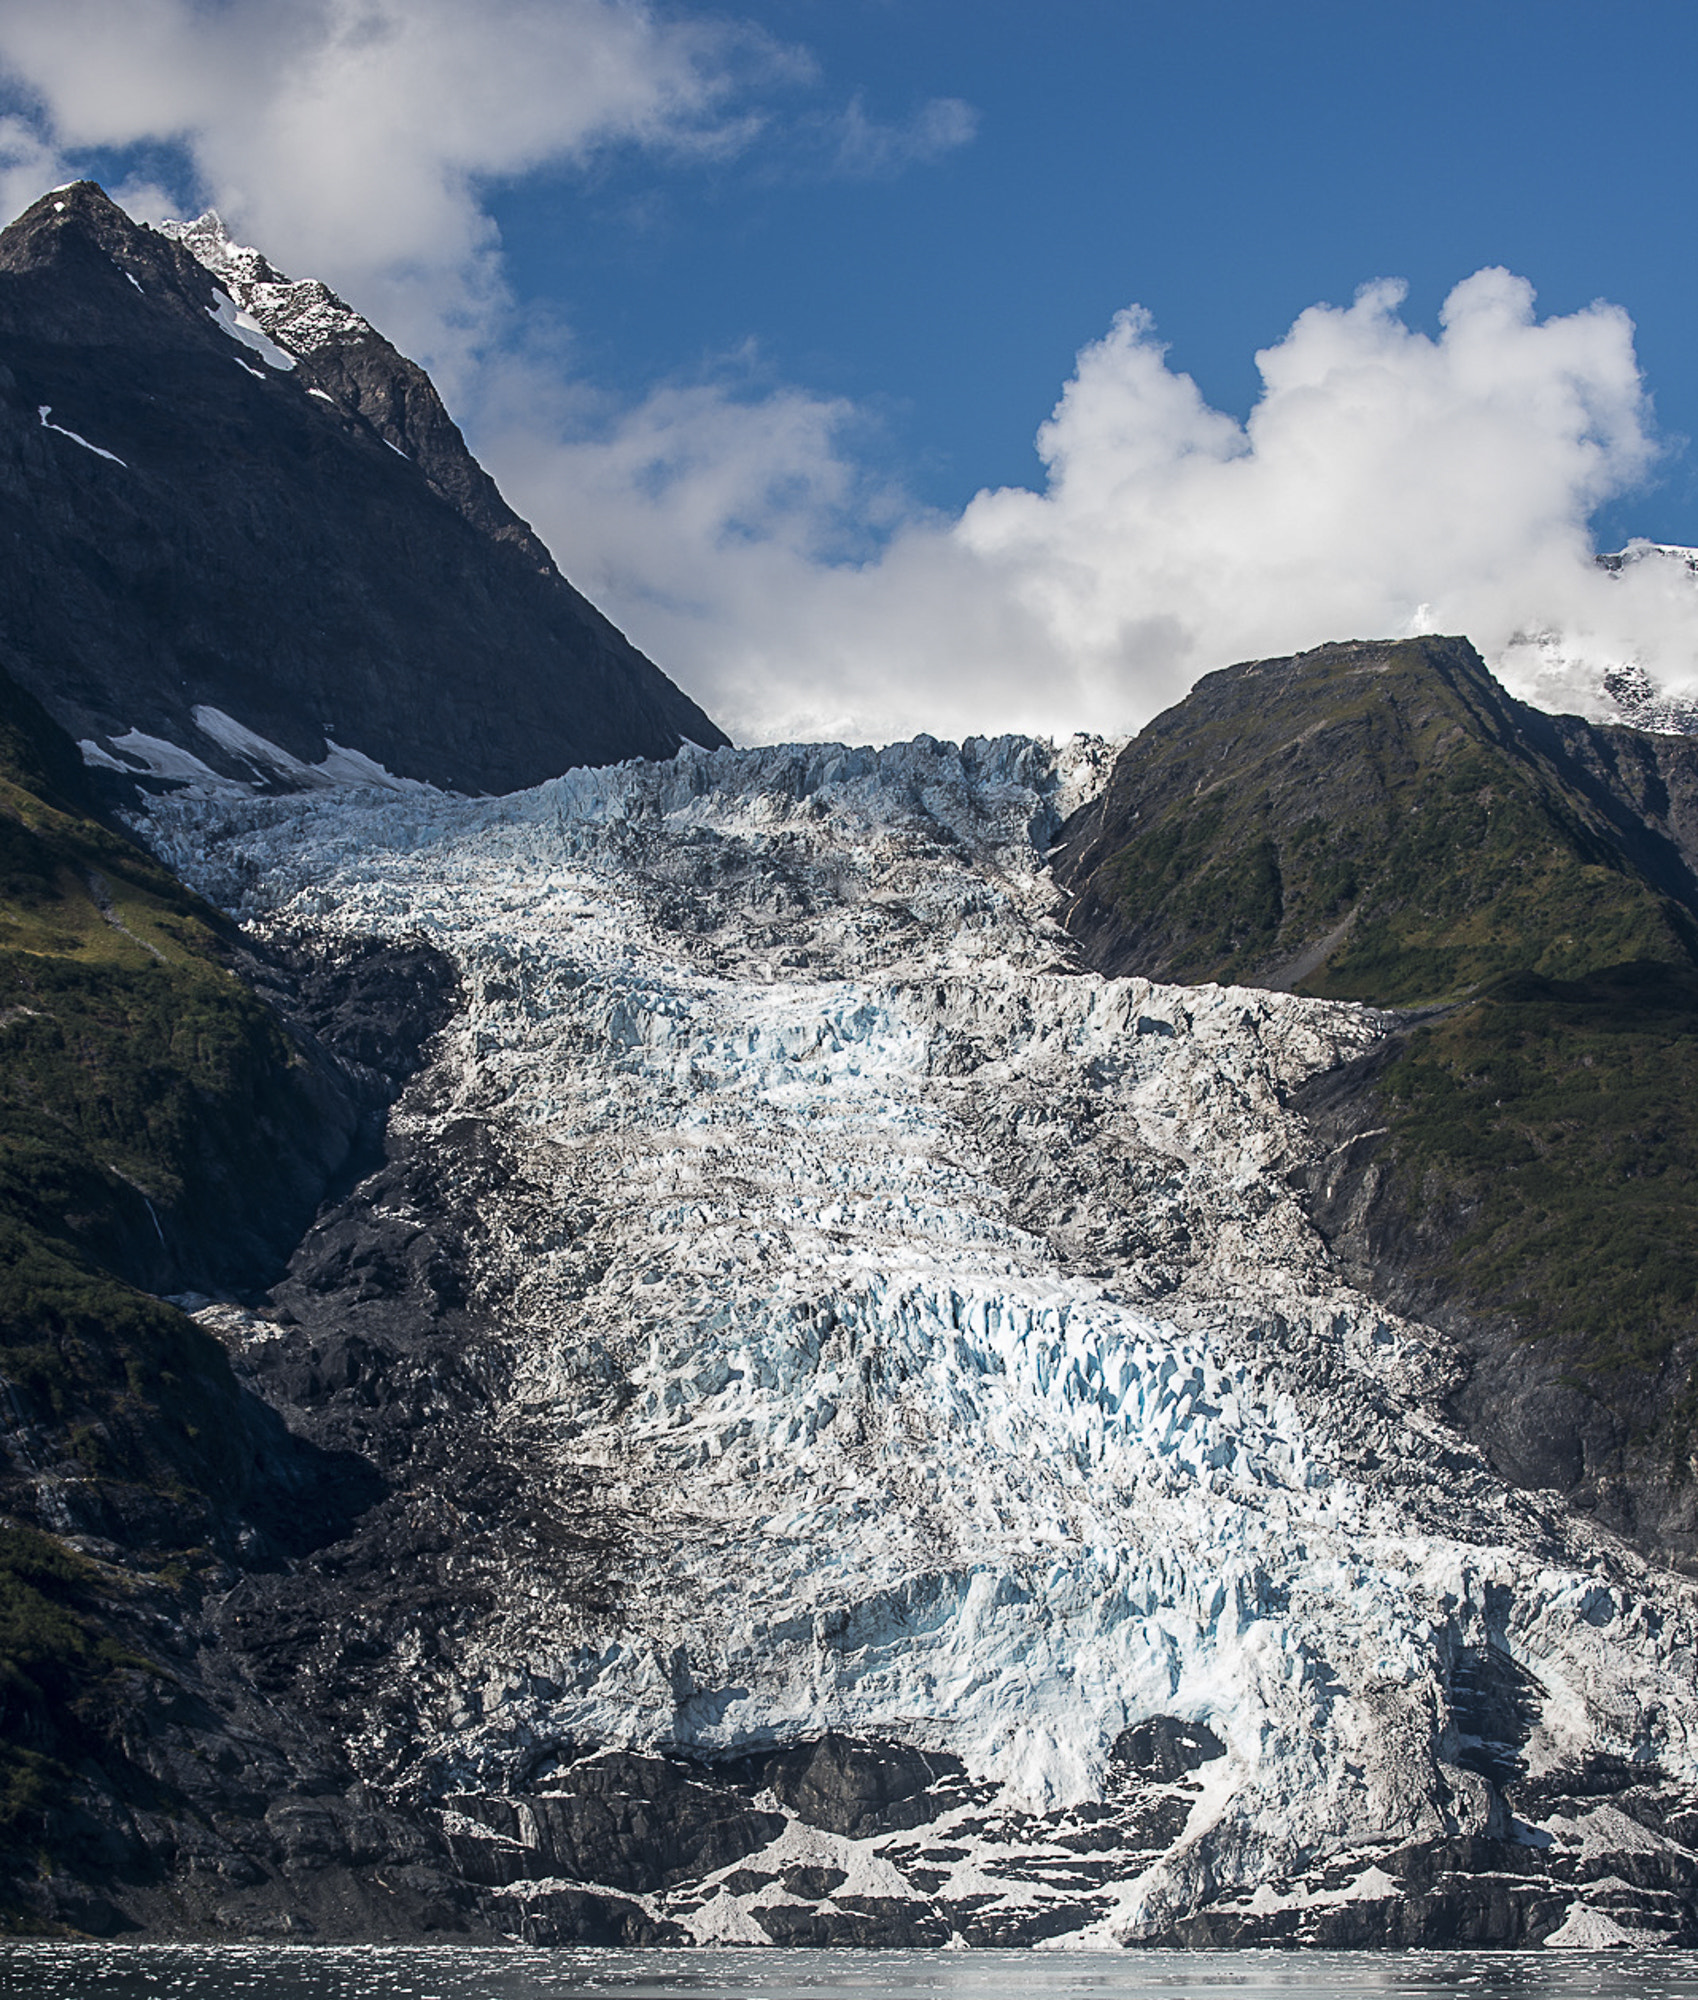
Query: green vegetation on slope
[(1381, 823), (1362, 823), (1562, 1116), (133, 1063), (151, 1108), (122, 1032)]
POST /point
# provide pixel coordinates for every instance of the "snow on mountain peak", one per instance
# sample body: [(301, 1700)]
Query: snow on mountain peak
[(301, 315), (1578, 673)]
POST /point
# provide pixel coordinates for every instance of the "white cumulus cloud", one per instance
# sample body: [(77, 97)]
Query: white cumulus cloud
[(352, 138), (1386, 481)]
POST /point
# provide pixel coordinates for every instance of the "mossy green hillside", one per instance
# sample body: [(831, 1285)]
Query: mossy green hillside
[(153, 1110), (1561, 1117), (1382, 823), (149, 1105), (1363, 822)]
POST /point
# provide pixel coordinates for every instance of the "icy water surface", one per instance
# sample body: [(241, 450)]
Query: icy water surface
[(41, 1971)]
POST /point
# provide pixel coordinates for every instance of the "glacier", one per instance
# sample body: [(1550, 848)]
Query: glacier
[(954, 1373)]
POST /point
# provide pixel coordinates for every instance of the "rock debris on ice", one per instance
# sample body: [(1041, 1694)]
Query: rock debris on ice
[(942, 1318)]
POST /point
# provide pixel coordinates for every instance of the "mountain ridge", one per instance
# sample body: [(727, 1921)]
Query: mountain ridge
[(339, 352), (1360, 822), (1515, 1161), (228, 560)]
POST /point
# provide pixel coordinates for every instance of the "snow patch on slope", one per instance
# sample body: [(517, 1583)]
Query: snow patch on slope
[(242, 326), (159, 758), (339, 767), (46, 411), (270, 767)]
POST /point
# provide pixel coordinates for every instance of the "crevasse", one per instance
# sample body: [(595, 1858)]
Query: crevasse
[(941, 1312)]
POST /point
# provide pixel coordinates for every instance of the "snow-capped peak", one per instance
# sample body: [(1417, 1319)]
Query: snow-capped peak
[(1585, 673), (302, 315), (1639, 550)]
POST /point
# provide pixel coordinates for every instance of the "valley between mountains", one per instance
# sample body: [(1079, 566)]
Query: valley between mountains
[(984, 1344), (867, 1445)]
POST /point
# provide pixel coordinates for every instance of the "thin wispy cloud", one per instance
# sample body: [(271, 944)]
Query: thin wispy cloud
[(28, 163), (863, 148)]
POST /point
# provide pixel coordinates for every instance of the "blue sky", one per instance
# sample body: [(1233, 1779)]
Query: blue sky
[(1223, 164), (758, 311)]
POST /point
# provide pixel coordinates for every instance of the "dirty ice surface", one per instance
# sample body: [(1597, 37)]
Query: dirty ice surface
[(943, 1316)]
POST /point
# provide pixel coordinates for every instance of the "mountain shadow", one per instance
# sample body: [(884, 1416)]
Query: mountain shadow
[(217, 551)]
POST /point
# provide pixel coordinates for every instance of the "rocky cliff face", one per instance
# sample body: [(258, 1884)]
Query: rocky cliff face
[(241, 536), (871, 1447)]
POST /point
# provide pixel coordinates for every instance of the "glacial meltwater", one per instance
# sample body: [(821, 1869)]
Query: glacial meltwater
[(42, 1970)]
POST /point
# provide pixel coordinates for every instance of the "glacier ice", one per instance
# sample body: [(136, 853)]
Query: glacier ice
[(940, 1316)]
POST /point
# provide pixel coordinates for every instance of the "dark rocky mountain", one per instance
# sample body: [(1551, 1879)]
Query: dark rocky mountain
[(1518, 1160), (269, 553)]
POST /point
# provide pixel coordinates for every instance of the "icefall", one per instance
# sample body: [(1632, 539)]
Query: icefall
[(943, 1314)]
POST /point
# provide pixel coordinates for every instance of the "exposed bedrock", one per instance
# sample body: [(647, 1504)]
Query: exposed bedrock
[(175, 1790)]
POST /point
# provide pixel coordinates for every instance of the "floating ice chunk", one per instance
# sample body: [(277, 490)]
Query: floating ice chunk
[(46, 410), (242, 326)]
